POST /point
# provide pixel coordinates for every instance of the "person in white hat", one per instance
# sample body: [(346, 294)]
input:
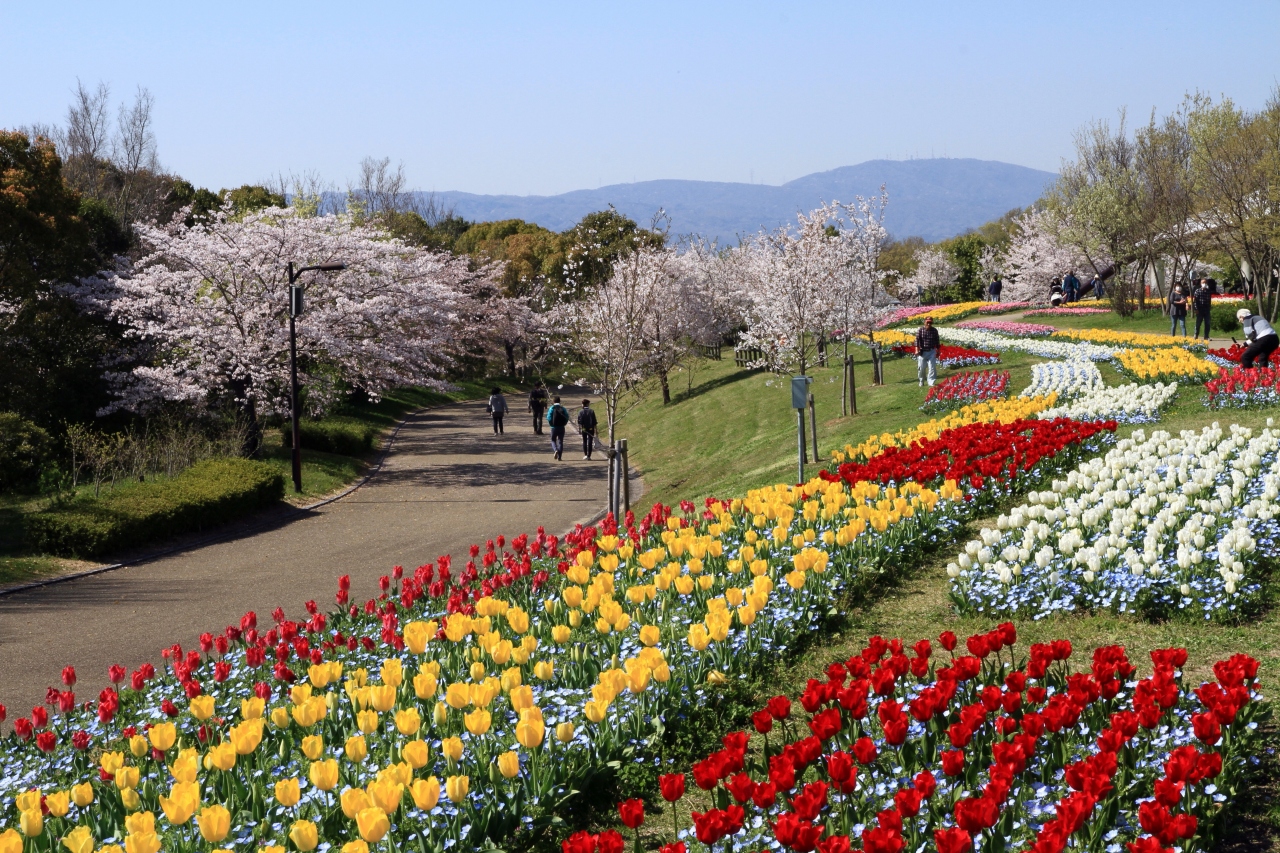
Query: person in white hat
[(1261, 338)]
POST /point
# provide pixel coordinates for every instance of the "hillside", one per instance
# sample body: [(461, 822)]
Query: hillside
[(933, 199)]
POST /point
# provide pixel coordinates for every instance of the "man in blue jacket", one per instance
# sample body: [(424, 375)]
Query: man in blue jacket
[(557, 419)]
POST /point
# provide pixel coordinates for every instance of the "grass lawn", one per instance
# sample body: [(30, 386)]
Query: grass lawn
[(734, 431)]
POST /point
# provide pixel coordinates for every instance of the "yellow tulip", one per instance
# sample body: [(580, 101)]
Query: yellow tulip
[(181, 803), (561, 633), (650, 635), (82, 794), (324, 774), (530, 731), (111, 761), (452, 748), (477, 671), (698, 638), (385, 794), (638, 679), (408, 721), (186, 767), (58, 803), (575, 618), (271, 848), (78, 840), (246, 736), (356, 749), (478, 721), (425, 685), (354, 801), (223, 756), (280, 717), (426, 793), (10, 841), (138, 746), (456, 787), (252, 708), (564, 732), (595, 710), (509, 765), (130, 799), (201, 707), (357, 846), (373, 824), (288, 792), (392, 672), (31, 822), (313, 746), (367, 721), (145, 843), (440, 714), (417, 635), (127, 778), (304, 835), (162, 736), (28, 800), (214, 822), (416, 753)]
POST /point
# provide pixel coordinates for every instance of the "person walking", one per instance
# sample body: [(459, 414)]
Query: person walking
[(497, 408), (557, 419), (1261, 338), (1071, 287), (1099, 291), (587, 426), (1178, 311), (927, 345), (538, 405), (995, 288), (1202, 304)]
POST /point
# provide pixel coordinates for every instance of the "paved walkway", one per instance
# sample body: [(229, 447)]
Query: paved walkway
[(447, 483)]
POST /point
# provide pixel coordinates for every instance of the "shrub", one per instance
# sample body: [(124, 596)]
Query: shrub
[(332, 436), (24, 451), (208, 493), (1223, 318)]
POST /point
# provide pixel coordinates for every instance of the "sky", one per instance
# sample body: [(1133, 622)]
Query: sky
[(546, 97)]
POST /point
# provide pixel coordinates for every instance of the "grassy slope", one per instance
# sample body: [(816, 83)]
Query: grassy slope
[(322, 473), (735, 432)]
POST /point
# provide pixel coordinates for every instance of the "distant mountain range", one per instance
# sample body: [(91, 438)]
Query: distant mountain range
[(933, 199)]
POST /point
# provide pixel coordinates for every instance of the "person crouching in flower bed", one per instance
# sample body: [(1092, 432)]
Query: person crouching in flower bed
[(1262, 339), (927, 345)]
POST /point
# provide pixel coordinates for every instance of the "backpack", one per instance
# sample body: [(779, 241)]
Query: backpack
[(558, 415), (587, 420)]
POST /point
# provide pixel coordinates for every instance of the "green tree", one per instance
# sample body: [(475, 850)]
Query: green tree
[(534, 256), (596, 243), (251, 197)]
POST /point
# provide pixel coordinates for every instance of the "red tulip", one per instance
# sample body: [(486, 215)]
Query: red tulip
[(632, 813), (672, 786)]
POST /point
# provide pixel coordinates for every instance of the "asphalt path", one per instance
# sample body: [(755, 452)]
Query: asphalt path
[(447, 482)]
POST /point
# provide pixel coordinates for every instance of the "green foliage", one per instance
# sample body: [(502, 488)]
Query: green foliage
[(203, 202), (332, 435), (966, 251), (25, 449), (595, 243), (1223, 318), (899, 257), (107, 235), (533, 254), (206, 494), (440, 236), (251, 197)]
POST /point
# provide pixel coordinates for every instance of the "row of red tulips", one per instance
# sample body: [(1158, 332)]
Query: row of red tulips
[(965, 388)]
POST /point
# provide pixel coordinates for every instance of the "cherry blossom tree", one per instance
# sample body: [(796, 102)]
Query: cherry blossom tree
[(855, 249), (1037, 254), (207, 307), (934, 270)]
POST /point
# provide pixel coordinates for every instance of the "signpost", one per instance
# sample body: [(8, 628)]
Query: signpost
[(800, 398)]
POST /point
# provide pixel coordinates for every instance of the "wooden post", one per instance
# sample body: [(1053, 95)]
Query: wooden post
[(625, 473), (853, 385)]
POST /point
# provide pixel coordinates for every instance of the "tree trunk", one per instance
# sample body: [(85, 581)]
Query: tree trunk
[(666, 389), (511, 357)]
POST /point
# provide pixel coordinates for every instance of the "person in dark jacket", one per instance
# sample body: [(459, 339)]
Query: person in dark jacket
[(497, 408), (1202, 304), (1178, 311), (1071, 287), (587, 425), (538, 405), (1262, 339), (995, 288), (557, 419), (927, 345), (1099, 291)]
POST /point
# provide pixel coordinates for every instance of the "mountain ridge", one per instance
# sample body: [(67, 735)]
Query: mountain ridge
[(931, 198)]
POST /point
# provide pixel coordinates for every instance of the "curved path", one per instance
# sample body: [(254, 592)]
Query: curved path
[(447, 482)]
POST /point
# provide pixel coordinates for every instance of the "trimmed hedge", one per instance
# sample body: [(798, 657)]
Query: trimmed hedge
[(1223, 318), (332, 436), (208, 493), (25, 450)]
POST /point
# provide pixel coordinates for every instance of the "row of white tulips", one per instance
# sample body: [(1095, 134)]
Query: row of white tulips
[(1157, 525), (1132, 403), (1068, 379), (977, 339)]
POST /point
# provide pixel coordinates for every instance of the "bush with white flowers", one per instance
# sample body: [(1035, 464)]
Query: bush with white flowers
[(1157, 526)]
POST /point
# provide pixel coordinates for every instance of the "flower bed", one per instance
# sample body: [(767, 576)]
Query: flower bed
[(904, 749), (1066, 312), (965, 388), (1161, 526), (1005, 327), (992, 411), (1003, 307), (1124, 339), (1008, 454), (1129, 404), (949, 356), (939, 313), (1164, 365), (1033, 346), (1226, 298), (1067, 379), (1238, 388), (1226, 356)]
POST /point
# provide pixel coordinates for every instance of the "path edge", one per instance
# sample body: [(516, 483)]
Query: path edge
[(212, 539)]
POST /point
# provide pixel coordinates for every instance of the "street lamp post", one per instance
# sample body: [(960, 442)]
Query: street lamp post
[(295, 308)]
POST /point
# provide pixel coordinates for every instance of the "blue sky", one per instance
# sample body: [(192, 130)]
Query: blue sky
[(547, 97)]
